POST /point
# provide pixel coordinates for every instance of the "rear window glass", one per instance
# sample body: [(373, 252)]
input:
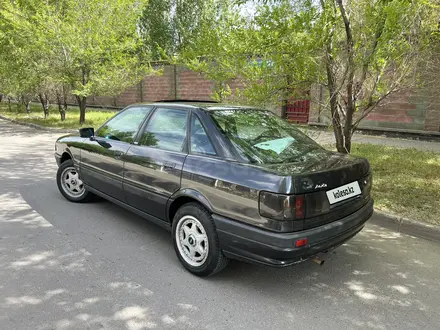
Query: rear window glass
[(262, 137)]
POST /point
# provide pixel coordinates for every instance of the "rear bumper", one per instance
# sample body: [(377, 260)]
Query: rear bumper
[(248, 243)]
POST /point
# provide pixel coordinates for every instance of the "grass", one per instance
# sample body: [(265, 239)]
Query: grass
[(94, 118), (405, 181)]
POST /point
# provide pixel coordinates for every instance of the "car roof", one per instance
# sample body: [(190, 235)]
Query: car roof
[(205, 105)]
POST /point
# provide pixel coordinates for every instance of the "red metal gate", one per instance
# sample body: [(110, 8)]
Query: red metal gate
[(298, 111)]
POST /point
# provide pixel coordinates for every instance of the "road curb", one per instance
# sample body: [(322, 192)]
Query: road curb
[(406, 226), (48, 129)]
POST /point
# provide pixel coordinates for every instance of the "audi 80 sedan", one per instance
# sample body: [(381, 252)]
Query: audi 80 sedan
[(227, 181)]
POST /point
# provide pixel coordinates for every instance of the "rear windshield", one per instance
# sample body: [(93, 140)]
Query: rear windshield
[(262, 137)]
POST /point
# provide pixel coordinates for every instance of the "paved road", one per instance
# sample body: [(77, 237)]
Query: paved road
[(97, 266)]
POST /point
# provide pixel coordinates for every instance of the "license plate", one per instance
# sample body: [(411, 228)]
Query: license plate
[(343, 192)]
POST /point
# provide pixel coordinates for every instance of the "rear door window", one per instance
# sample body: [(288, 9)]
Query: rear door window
[(166, 130), (199, 140)]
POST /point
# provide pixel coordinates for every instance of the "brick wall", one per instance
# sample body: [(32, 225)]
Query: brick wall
[(405, 110), (129, 96), (193, 86), (159, 87), (431, 106), (173, 83), (414, 110)]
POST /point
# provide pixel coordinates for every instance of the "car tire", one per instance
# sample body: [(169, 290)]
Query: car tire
[(196, 242), (70, 185)]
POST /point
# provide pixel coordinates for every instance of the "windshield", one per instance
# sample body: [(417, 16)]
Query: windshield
[(262, 137)]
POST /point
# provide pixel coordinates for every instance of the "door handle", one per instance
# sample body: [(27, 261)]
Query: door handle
[(168, 166)]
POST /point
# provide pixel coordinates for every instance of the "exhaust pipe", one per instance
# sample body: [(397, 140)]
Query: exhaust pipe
[(318, 261)]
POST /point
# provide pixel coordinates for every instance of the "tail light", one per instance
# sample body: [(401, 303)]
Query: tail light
[(300, 209), (282, 207)]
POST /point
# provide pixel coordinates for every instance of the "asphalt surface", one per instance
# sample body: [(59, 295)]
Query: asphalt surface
[(97, 266)]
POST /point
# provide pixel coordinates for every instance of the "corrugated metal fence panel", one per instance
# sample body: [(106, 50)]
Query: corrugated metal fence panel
[(298, 111)]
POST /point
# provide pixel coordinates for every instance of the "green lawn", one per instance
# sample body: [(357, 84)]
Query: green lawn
[(405, 181), (93, 118)]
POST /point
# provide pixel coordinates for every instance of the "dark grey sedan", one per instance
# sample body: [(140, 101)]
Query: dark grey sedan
[(228, 181)]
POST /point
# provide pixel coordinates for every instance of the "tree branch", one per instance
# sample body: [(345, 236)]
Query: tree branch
[(367, 62), (370, 107)]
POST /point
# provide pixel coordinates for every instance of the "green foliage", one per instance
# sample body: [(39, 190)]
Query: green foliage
[(97, 44), (91, 46), (362, 51), (269, 51), (157, 28), (169, 26), (20, 64)]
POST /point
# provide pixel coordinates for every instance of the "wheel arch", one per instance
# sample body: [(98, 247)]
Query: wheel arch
[(65, 156), (185, 196)]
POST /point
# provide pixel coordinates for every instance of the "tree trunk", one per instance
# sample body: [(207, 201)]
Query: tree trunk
[(351, 102), (27, 104), (83, 99), (348, 131), (45, 104), (20, 102), (1, 97), (337, 125), (61, 106), (336, 118), (9, 103), (82, 108)]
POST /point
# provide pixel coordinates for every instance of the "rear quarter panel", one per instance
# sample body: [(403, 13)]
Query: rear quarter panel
[(231, 188)]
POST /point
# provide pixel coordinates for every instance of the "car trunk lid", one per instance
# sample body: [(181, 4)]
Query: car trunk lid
[(322, 177)]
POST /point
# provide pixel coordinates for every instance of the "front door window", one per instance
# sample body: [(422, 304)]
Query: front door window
[(124, 126)]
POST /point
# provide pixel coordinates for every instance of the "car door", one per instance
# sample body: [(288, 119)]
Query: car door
[(153, 167), (101, 163)]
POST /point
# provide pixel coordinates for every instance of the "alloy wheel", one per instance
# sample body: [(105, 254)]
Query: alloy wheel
[(192, 240)]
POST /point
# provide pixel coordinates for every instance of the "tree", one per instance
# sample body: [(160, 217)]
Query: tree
[(87, 47), (219, 50), (371, 52), (24, 67), (360, 51), (98, 45), (170, 26), (157, 28)]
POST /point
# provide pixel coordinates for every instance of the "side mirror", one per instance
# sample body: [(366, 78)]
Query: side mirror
[(86, 132)]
